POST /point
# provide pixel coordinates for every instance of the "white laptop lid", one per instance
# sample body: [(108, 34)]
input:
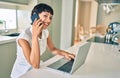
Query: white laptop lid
[(81, 56)]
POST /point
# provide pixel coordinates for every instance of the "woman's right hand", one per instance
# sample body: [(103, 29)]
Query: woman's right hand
[(37, 28)]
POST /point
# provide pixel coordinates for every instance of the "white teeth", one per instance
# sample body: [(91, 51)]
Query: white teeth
[(46, 24)]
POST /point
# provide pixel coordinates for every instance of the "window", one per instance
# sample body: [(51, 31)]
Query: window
[(8, 19)]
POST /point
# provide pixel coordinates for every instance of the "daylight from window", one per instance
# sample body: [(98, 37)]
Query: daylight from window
[(8, 19)]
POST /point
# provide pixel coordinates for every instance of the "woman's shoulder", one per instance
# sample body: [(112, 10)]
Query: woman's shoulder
[(26, 34)]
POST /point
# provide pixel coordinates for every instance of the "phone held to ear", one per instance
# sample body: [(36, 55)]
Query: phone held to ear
[(35, 16)]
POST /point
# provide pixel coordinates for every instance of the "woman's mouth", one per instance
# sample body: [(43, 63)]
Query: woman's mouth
[(45, 24)]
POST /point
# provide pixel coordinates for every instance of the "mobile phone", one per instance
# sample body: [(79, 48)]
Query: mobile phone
[(34, 16)]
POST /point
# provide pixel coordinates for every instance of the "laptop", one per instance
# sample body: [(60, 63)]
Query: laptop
[(70, 66)]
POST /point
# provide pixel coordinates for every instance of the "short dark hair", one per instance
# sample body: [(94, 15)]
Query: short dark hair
[(42, 8)]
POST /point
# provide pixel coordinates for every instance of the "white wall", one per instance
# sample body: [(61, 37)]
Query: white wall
[(93, 16), (67, 23), (106, 19)]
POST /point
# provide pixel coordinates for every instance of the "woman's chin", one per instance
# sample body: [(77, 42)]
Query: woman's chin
[(45, 27)]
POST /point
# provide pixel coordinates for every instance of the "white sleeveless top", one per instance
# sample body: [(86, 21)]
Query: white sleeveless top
[(21, 66)]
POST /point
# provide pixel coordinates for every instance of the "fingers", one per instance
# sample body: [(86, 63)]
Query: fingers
[(34, 23), (69, 56), (37, 22), (37, 27)]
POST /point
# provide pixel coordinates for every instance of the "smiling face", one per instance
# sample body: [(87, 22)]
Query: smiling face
[(45, 18)]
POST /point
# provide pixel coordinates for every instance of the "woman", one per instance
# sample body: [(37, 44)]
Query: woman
[(32, 43)]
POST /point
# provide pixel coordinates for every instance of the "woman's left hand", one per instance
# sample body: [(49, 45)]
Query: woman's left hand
[(69, 56)]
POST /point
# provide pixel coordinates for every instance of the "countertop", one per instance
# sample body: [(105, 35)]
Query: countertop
[(6, 39), (103, 61)]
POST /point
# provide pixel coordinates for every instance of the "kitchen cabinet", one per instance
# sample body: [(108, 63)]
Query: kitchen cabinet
[(7, 58), (87, 14), (86, 18)]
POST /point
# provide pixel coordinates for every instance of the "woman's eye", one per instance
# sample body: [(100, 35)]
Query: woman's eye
[(45, 15), (50, 18)]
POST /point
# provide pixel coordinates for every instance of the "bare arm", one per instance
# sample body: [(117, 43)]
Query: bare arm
[(32, 53), (35, 53), (53, 49)]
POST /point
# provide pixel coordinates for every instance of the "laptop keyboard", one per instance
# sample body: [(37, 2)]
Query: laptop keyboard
[(67, 66)]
